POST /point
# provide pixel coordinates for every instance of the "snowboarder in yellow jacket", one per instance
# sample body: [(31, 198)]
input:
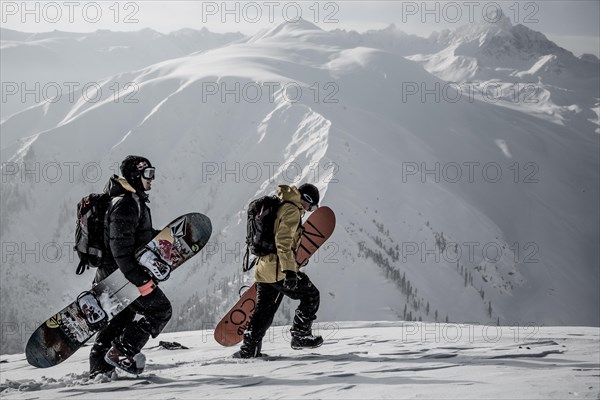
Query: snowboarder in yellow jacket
[(277, 275)]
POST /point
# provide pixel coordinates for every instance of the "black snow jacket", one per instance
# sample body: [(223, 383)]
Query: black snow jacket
[(127, 227)]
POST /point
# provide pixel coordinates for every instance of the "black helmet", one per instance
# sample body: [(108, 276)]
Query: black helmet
[(309, 193), (132, 169)]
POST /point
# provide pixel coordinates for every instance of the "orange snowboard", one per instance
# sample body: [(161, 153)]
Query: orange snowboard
[(317, 229)]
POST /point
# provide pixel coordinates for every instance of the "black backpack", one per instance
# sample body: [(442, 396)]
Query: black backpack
[(260, 228), (89, 233)]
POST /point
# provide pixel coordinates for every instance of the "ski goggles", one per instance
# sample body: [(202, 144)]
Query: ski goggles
[(148, 173), (309, 200), (145, 170)]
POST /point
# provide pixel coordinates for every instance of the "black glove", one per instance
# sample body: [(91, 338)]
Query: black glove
[(291, 280)]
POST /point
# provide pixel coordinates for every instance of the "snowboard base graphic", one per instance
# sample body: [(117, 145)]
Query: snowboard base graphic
[(65, 332), (317, 229)]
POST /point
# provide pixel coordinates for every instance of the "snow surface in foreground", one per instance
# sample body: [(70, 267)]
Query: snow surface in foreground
[(358, 360)]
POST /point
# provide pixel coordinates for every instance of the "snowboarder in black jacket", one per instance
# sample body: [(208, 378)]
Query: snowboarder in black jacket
[(128, 226)]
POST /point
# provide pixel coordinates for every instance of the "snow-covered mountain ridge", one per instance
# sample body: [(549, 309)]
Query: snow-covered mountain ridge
[(515, 65), (51, 64)]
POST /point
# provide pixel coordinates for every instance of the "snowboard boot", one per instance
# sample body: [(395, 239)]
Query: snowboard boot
[(132, 364), (97, 364), (125, 352), (302, 337), (249, 348), (243, 354), (306, 342)]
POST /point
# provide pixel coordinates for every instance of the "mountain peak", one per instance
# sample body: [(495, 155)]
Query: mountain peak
[(392, 29), (288, 28), (299, 25), (498, 19), (496, 36), (190, 32), (497, 25)]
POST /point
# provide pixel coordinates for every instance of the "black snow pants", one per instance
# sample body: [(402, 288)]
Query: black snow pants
[(268, 299), (130, 335)]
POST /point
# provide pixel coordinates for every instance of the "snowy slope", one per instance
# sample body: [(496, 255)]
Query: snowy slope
[(358, 360), (58, 59), (214, 154)]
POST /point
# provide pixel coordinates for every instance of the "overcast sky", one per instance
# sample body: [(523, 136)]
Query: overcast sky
[(572, 24)]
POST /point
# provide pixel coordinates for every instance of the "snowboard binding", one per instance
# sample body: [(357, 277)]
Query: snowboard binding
[(89, 306), (158, 268)]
